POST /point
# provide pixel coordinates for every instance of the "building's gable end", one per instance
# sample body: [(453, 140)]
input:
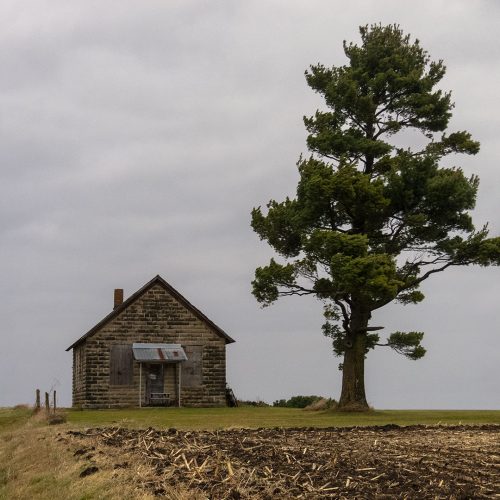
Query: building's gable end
[(194, 310), (155, 317), (157, 281)]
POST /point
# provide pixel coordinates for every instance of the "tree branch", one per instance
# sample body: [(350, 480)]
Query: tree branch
[(345, 314)]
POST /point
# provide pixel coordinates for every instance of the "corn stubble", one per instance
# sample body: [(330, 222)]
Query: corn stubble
[(387, 462)]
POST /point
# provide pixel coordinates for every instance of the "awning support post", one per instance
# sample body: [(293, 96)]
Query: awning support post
[(140, 385), (179, 388)]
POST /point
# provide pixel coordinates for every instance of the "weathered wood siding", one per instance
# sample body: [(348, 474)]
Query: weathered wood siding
[(155, 317)]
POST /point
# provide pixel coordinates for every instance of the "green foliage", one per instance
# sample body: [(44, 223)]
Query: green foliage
[(268, 279), (258, 403), (407, 344), (371, 221), (297, 401)]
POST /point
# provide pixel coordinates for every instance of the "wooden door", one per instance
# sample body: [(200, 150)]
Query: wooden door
[(154, 381)]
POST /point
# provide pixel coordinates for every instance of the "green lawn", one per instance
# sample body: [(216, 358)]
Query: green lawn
[(251, 417)]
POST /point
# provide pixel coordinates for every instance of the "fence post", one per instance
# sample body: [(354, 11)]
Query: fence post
[(55, 402), (37, 401), (47, 403)]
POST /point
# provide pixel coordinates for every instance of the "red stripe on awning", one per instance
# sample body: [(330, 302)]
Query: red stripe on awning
[(160, 353)]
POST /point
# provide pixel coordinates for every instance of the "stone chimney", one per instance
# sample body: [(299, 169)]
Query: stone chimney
[(118, 297)]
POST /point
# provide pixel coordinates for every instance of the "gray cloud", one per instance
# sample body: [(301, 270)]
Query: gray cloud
[(135, 139)]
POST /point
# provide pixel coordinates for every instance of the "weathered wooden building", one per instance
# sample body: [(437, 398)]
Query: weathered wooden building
[(155, 348)]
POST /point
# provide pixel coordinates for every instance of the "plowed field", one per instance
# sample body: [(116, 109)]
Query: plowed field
[(363, 462)]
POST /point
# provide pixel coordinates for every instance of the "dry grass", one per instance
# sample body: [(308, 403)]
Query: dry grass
[(322, 405), (36, 463)]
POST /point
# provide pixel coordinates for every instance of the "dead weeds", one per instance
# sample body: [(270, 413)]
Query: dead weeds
[(36, 462)]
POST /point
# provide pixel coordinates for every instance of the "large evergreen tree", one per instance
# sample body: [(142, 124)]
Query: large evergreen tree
[(371, 221)]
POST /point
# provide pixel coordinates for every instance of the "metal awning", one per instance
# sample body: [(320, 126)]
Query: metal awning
[(158, 353)]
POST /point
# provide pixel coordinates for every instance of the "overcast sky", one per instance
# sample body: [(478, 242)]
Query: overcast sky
[(137, 136)]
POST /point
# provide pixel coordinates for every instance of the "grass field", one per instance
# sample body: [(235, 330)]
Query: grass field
[(254, 417), (250, 417), (36, 461)]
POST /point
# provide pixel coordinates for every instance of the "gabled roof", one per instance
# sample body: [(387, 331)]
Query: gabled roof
[(157, 280)]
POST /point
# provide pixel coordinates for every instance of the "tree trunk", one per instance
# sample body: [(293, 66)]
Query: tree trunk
[(353, 396)]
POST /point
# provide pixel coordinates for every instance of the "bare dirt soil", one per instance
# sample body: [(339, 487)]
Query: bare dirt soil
[(457, 462)]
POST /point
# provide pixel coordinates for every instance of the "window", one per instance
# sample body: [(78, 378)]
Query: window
[(192, 368), (121, 368)]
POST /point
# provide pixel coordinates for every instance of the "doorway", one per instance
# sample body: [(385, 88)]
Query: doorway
[(155, 392)]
